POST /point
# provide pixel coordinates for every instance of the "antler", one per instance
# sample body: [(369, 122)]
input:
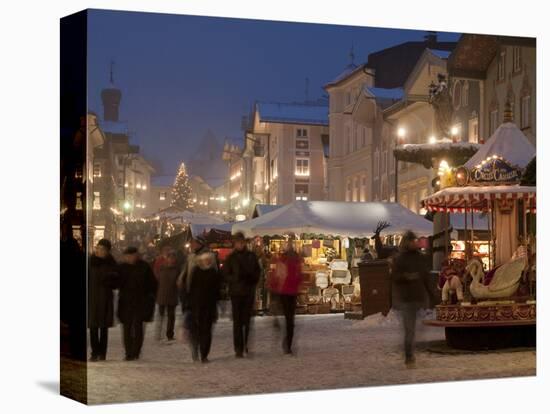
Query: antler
[(381, 226)]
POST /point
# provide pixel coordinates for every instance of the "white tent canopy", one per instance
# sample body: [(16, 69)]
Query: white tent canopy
[(507, 142), (335, 218)]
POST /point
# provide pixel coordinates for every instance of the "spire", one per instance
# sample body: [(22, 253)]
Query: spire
[(508, 115), (351, 56), (111, 72)]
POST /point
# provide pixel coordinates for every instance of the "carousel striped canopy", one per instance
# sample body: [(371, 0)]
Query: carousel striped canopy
[(478, 198)]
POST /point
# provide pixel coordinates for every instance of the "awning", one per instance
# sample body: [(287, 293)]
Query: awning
[(335, 218), (477, 198)]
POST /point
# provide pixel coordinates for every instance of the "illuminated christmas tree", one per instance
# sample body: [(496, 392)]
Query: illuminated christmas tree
[(181, 190)]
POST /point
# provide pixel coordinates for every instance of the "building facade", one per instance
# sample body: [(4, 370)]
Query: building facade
[(361, 165), (413, 122), (283, 158), (504, 67)]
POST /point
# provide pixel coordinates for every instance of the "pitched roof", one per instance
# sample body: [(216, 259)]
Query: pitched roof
[(393, 65), (350, 69), (293, 113)]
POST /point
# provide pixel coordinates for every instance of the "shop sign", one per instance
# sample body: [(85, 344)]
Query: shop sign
[(495, 170)]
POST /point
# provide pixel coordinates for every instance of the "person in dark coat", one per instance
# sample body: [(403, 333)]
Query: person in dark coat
[(197, 246), (101, 280), (203, 295), (167, 273), (410, 272), (242, 273), (136, 303)]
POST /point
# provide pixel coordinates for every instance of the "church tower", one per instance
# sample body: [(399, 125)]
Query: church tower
[(111, 99)]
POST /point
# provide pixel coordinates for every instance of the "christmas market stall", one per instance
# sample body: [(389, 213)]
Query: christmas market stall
[(490, 303), (331, 237)]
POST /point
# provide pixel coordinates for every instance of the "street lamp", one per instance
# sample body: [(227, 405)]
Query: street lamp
[(454, 133), (401, 133)]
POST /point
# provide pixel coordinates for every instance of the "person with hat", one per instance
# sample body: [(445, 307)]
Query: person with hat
[(101, 278), (197, 246), (136, 303), (242, 272), (410, 288)]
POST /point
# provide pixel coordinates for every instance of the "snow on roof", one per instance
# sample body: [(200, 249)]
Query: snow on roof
[(442, 54), (442, 145), (293, 113), (507, 142), (386, 93), (114, 127), (261, 209), (348, 71), (335, 218)]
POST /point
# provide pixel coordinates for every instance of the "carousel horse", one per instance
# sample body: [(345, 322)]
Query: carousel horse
[(504, 282), (450, 282)]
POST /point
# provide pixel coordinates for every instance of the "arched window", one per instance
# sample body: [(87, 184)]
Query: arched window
[(457, 93)]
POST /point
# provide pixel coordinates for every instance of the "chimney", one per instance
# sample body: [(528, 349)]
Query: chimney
[(431, 39)]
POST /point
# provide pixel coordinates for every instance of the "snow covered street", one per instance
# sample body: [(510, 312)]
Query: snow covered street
[(331, 352)]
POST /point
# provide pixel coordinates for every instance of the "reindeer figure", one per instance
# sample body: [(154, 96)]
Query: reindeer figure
[(383, 252)]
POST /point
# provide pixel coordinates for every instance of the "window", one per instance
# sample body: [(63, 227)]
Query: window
[(78, 201), (357, 137), (473, 130), (383, 188), (363, 192), (301, 133), (457, 93), (273, 167), (465, 93), (501, 70), (525, 115), (97, 170), (376, 164), (348, 189), (493, 121), (97, 201), (392, 161), (301, 191), (348, 140), (302, 167), (162, 195), (355, 196), (302, 141), (384, 162), (516, 59)]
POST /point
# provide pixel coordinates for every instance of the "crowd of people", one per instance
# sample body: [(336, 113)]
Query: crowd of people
[(196, 281)]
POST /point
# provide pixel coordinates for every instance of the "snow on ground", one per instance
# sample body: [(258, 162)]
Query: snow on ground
[(331, 352)]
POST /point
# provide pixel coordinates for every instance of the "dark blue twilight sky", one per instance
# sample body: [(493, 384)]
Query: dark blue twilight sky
[(183, 75)]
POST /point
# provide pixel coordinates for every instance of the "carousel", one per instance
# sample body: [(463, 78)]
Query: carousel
[(491, 305)]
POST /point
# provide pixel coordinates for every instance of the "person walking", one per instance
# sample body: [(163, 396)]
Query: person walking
[(410, 272), (101, 279), (242, 273), (167, 273), (288, 291), (203, 295), (197, 247), (137, 289)]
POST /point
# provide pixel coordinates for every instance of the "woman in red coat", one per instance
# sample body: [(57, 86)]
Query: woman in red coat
[(288, 291)]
